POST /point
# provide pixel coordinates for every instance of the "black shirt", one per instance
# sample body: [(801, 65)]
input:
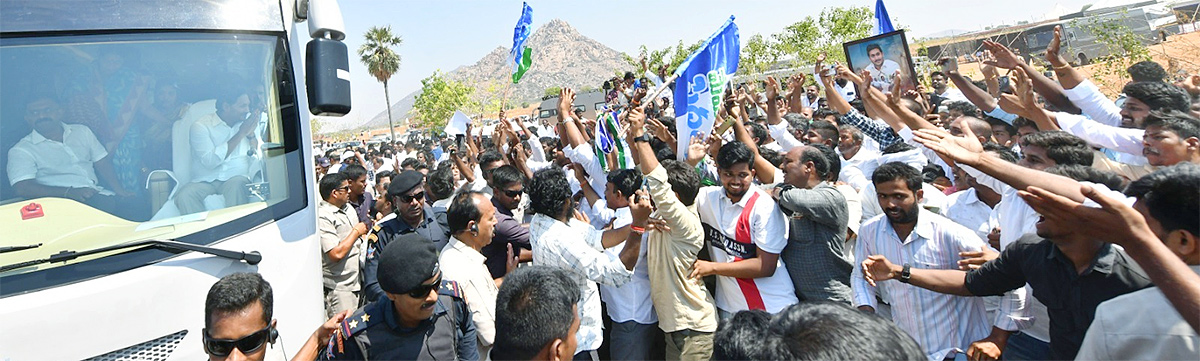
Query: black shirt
[(1070, 297)]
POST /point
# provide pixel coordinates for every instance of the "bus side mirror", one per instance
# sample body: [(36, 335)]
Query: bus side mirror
[(327, 77)]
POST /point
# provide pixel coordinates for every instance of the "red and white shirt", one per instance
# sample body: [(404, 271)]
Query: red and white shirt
[(736, 231)]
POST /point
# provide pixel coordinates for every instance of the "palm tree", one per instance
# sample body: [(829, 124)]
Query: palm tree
[(381, 61)]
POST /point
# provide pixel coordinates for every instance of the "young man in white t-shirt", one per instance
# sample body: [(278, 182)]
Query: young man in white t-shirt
[(745, 232)]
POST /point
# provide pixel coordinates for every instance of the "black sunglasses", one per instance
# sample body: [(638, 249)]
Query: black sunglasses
[(404, 198), (247, 345), (514, 194), (424, 290)]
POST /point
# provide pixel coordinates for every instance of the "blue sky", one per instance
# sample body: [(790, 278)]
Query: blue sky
[(448, 34)]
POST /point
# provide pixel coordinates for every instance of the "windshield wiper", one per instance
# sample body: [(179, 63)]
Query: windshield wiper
[(7, 249), (252, 257)]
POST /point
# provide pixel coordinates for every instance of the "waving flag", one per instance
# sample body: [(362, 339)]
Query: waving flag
[(701, 82), (608, 139), (883, 23), (521, 56)]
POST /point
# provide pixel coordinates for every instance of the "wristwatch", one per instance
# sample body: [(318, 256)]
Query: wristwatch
[(642, 138), (905, 273)]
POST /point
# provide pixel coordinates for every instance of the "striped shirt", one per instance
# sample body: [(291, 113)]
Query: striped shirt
[(940, 323), (878, 131)]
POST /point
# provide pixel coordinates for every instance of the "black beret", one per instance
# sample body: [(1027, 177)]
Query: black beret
[(407, 261), (406, 181)]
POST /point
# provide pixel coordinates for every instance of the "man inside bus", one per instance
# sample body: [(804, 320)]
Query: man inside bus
[(222, 152), (63, 160)]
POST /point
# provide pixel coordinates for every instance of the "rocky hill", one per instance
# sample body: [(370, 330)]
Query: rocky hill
[(561, 57)]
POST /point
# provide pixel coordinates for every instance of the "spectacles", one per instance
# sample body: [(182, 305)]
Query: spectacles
[(248, 344), (514, 193), (404, 198), (342, 189), (424, 290)]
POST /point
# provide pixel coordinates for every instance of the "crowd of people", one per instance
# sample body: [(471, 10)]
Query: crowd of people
[(1020, 216)]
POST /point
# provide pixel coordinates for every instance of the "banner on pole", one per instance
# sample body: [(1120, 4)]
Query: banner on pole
[(701, 82)]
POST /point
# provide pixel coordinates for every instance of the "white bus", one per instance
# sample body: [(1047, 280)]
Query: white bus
[(101, 257)]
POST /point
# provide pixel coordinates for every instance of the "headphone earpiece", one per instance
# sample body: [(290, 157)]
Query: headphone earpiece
[(475, 228), (274, 334)]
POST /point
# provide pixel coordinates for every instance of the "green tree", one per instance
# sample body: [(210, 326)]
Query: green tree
[(381, 61), (1122, 46), (757, 56), (805, 39), (437, 101), (314, 125), (551, 92)]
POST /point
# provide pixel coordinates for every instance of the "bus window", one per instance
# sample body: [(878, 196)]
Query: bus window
[(600, 105), (121, 137), (547, 113)]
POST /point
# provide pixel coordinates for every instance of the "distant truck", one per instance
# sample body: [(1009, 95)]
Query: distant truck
[(1082, 47), (589, 102)]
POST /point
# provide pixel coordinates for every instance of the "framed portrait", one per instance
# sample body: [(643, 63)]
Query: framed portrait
[(882, 56)]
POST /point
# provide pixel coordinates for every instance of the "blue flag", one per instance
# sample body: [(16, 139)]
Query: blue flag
[(701, 83), (521, 56), (883, 22)]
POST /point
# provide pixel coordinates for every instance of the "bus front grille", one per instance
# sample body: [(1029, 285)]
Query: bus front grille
[(156, 349)]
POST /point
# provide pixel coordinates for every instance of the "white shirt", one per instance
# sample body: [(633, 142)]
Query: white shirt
[(881, 78), (783, 137), (768, 230), (1093, 104), (631, 301), (853, 175), (577, 248), (212, 160), (933, 199), (965, 208), (1141, 325), (953, 94), (464, 265), (57, 164), (1124, 140), (939, 322)]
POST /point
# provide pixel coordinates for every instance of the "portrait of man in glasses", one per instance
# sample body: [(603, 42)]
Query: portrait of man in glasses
[(413, 215)]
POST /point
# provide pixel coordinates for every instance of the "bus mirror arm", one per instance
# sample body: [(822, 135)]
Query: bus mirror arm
[(251, 258)]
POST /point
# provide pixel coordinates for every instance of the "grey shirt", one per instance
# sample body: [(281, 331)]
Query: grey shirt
[(334, 224), (815, 254)]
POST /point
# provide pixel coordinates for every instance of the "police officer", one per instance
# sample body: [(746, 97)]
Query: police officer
[(421, 317), (407, 193)]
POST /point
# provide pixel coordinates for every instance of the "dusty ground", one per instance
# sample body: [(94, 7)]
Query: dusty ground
[(1180, 55)]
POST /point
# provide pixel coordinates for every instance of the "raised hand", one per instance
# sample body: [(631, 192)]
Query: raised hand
[(988, 70), (965, 149), (566, 101), (877, 268), (640, 207), (510, 263), (845, 73), (1113, 222), (1052, 49), (696, 149), (772, 88), (1001, 56), (636, 118), (949, 64), (1191, 85), (660, 131)]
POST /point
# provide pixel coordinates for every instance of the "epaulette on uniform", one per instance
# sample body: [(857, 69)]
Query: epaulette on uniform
[(451, 288), (360, 319)]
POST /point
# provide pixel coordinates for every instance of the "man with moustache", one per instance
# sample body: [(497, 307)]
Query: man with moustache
[(919, 239), (406, 193), (421, 317), (62, 160)]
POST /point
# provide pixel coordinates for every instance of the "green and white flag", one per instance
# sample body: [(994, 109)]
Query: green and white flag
[(522, 56)]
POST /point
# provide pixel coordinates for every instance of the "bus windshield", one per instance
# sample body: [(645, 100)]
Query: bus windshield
[(112, 138)]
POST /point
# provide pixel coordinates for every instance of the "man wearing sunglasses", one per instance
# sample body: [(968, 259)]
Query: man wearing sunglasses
[(237, 319), (421, 318), (509, 192), (407, 194)]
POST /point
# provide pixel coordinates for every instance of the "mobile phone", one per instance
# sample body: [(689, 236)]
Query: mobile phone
[(724, 126), (830, 70)]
